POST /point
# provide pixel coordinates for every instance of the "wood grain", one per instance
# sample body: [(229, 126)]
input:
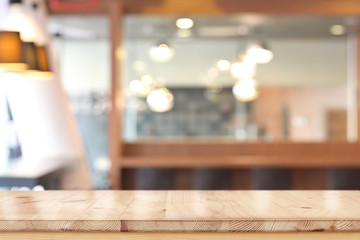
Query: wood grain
[(217, 7), (180, 211), (191, 147), (178, 236), (115, 119), (306, 161)]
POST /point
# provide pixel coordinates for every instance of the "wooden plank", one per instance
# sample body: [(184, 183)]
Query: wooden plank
[(358, 86), (180, 211), (115, 123), (221, 7), (178, 236), (230, 148), (293, 161), (101, 9)]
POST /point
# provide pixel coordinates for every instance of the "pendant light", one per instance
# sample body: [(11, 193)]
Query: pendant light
[(246, 90), (161, 52), (260, 53), (37, 61), (11, 52), (160, 100)]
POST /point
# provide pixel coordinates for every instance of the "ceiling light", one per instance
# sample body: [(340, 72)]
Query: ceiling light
[(223, 65), (160, 100), (245, 90), (161, 53), (11, 52), (260, 53), (242, 70), (184, 23), (138, 89), (142, 88), (338, 30)]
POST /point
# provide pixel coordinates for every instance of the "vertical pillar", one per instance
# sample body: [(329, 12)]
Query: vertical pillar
[(352, 85), (115, 118)]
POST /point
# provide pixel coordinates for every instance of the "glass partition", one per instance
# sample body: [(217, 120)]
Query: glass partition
[(82, 49), (242, 78)]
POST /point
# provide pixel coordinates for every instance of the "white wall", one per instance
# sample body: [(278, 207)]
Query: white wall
[(85, 65), (297, 62)]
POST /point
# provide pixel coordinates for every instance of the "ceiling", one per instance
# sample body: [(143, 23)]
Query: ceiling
[(259, 26), (280, 26), (305, 51)]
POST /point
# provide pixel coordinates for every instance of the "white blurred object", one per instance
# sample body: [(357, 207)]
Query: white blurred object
[(142, 87), (338, 30), (18, 20), (223, 65), (148, 81), (3, 122), (38, 188), (242, 70), (245, 90), (161, 52), (260, 53), (160, 100), (102, 164), (184, 23)]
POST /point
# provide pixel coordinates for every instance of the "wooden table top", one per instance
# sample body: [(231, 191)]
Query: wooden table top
[(180, 211)]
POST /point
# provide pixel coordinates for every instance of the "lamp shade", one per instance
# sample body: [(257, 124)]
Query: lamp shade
[(43, 60), (30, 56), (37, 60), (11, 52)]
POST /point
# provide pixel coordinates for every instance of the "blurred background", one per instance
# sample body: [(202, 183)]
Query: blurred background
[(164, 95)]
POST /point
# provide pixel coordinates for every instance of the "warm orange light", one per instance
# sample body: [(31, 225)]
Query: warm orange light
[(11, 52), (43, 61)]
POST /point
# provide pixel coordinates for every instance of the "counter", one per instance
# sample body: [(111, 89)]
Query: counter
[(176, 215)]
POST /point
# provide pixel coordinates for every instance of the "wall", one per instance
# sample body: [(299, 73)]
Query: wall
[(297, 61), (307, 108)]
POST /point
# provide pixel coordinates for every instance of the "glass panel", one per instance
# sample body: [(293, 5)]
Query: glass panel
[(244, 78), (83, 53)]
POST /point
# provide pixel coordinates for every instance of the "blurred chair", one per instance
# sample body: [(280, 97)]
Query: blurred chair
[(271, 179), (212, 179), (344, 179), (155, 179)]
